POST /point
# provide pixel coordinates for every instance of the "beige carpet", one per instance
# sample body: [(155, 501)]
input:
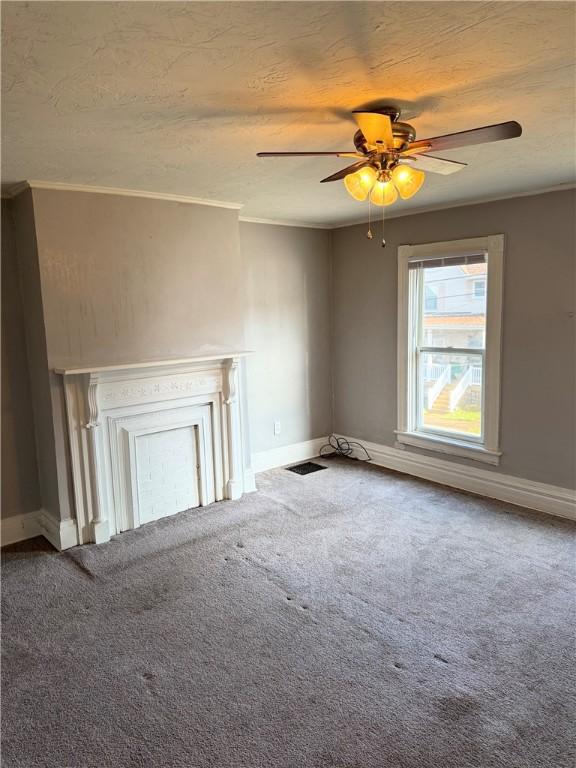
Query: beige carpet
[(353, 618)]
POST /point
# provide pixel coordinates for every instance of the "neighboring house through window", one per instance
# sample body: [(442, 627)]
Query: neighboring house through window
[(449, 350)]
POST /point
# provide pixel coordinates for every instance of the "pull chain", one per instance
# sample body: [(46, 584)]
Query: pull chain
[(383, 240), (369, 233)]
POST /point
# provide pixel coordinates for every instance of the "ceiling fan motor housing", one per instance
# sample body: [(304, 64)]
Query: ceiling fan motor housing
[(404, 133)]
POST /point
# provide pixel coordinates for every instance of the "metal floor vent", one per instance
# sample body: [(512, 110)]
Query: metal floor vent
[(305, 468)]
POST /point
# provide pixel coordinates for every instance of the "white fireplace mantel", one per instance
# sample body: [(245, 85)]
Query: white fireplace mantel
[(151, 438), (169, 362)]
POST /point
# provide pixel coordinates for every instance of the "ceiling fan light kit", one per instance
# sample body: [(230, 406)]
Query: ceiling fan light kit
[(390, 161), (407, 180), (383, 193), (359, 183), (383, 186)]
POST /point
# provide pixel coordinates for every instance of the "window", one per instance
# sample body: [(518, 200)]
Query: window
[(449, 351), (479, 288)]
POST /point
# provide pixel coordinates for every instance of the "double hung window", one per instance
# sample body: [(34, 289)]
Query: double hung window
[(449, 346)]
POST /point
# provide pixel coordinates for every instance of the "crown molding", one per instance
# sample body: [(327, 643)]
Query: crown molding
[(17, 189), (285, 223)]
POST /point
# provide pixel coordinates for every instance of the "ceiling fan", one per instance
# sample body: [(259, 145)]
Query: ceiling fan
[(391, 161)]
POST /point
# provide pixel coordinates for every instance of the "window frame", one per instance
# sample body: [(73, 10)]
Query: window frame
[(487, 448)]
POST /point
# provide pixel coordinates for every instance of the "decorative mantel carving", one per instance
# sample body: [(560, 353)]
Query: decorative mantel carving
[(230, 381), (92, 415), (110, 407)]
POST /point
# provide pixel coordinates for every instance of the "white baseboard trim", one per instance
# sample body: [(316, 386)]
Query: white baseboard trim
[(19, 528), (514, 490), (287, 454), (62, 534)]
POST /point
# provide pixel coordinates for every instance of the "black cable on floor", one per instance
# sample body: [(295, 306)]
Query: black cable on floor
[(339, 446)]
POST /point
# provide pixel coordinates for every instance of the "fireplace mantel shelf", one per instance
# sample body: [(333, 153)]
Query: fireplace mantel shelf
[(150, 363)]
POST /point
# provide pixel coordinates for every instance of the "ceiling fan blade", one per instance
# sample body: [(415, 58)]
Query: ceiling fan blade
[(377, 128), (487, 133), (345, 171), (411, 150), (436, 164), (309, 154)]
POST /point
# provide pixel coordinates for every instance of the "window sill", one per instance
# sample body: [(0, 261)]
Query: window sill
[(449, 446)]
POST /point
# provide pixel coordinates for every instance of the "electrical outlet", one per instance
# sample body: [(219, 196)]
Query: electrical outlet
[(277, 427)]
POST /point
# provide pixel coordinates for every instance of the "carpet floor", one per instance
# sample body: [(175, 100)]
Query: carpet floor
[(351, 618)]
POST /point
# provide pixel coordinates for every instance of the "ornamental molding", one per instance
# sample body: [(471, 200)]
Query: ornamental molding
[(179, 385)]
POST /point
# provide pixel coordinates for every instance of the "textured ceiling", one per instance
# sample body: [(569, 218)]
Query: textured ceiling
[(178, 97)]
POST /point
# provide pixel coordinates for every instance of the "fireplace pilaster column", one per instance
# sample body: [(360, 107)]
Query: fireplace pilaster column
[(235, 484), (98, 524)]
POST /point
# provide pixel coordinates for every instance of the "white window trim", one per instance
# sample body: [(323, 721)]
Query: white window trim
[(489, 451)]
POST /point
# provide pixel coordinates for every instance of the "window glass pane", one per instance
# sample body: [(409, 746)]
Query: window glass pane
[(454, 306), (450, 393)]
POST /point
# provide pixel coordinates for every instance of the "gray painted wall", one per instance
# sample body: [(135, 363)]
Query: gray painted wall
[(127, 278), (50, 467), (20, 485), (538, 365), (287, 273)]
